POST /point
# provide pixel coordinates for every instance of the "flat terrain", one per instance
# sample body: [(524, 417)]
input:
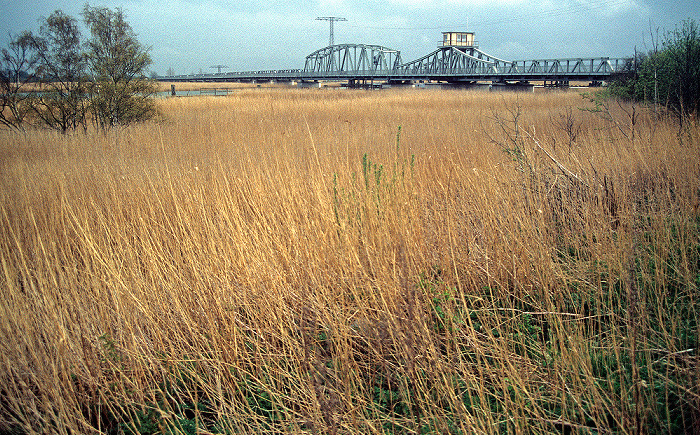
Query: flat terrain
[(333, 261)]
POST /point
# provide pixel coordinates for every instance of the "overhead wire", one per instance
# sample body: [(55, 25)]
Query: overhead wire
[(565, 10)]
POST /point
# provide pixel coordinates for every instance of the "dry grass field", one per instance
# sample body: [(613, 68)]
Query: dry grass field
[(328, 261)]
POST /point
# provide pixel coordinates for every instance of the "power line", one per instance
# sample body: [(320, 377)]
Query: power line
[(331, 20), (565, 10)]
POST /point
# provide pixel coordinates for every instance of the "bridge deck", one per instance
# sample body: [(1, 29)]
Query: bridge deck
[(353, 62)]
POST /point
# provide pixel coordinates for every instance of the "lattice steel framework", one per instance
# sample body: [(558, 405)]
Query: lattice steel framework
[(452, 60), (331, 20), (352, 59), (579, 66), (446, 64)]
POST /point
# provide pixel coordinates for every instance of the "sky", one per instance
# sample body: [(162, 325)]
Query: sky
[(190, 36)]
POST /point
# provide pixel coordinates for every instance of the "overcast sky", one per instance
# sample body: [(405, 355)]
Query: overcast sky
[(190, 36)]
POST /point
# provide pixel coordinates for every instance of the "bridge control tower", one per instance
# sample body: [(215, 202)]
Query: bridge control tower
[(458, 40)]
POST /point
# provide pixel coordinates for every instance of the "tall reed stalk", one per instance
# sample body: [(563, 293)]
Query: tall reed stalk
[(326, 261)]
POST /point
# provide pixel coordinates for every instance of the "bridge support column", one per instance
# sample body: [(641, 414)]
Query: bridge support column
[(304, 84), (556, 83), (512, 87)]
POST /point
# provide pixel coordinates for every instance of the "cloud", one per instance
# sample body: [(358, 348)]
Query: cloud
[(256, 34), (443, 5)]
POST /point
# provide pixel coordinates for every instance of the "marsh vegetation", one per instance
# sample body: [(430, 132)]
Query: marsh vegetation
[(329, 261)]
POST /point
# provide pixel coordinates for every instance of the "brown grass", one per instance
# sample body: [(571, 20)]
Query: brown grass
[(329, 261)]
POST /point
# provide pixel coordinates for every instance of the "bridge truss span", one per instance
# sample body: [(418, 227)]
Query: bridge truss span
[(575, 68), (453, 61), (352, 60), (463, 64)]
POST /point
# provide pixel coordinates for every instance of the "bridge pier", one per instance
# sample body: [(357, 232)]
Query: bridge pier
[(365, 84), (556, 83), (304, 84), (400, 82)]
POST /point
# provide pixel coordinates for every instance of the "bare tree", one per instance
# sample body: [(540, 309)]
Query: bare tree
[(17, 67), (103, 79), (61, 67)]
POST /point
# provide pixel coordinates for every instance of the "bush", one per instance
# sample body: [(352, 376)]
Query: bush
[(121, 92), (670, 76), (100, 81)]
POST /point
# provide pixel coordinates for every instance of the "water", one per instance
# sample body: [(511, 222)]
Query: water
[(195, 92)]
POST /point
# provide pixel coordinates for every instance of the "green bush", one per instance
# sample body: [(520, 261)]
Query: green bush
[(669, 76)]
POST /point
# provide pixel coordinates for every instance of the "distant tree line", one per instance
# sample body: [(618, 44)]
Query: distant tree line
[(669, 75), (56, 79)]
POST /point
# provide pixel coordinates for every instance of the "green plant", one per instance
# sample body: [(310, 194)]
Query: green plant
[(668, 76)]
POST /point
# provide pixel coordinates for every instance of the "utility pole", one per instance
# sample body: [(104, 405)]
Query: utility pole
[(219, 67), (332, 20)]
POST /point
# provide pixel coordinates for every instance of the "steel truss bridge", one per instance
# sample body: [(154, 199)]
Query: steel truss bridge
[(359, 64)]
